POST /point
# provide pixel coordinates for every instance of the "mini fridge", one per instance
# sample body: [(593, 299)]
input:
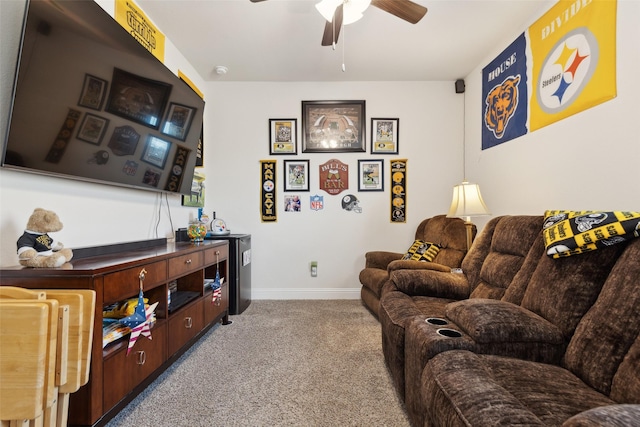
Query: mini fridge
[(239, 271)]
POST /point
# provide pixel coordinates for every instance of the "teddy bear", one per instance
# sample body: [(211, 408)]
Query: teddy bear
[(36, 248)]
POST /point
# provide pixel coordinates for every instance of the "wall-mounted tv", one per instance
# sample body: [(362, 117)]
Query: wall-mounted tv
[(91, 103)]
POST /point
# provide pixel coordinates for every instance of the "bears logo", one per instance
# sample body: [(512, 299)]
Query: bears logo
[(501, 104)]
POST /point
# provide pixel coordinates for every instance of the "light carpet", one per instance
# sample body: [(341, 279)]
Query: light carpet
[(280, 363)]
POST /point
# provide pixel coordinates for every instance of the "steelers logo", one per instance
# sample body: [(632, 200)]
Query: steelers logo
[(268, 185)]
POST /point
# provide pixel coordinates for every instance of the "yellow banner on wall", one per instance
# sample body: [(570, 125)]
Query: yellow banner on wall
[(574, 59), (134, 20)]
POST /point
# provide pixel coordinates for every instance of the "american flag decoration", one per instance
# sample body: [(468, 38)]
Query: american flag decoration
[(217, 292), (143, 328), (138, 322)]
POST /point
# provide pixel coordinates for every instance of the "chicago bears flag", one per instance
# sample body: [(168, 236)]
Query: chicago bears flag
[(504, 95), (573, 59)]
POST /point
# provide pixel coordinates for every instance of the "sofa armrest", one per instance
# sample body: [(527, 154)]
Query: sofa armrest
[(606, 416), (402, 264), (442, 284), (380, 259), (487, 320)]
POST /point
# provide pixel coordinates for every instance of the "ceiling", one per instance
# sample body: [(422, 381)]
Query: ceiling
[(279, 40)]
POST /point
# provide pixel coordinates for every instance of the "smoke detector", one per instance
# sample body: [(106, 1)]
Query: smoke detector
[(221, 70)]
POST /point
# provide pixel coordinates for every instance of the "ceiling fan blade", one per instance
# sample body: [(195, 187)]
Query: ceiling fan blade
[(257, 1), (329, 36), (403, 9)]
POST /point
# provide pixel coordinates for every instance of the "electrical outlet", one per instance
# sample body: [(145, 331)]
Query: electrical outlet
[(314, 268)]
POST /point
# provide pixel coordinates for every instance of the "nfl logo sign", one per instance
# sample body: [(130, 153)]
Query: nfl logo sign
[(317, 202)]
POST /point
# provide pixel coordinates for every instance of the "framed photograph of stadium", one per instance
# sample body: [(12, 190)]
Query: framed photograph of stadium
[(283, 136), (384, 136), (333, 126), (296, 175), (371, 175)]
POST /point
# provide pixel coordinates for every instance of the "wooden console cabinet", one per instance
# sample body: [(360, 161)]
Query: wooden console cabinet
[(116, 378)]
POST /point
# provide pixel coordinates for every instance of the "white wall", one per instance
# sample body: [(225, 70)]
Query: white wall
[(588, 161), (237, 138)]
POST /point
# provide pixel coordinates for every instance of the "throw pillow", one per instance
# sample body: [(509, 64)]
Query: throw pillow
[(422, 251)]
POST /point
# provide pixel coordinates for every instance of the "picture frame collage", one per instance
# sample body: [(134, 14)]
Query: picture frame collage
[(333, 127)]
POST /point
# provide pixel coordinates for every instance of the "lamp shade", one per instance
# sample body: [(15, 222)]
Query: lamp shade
[(467, 201)]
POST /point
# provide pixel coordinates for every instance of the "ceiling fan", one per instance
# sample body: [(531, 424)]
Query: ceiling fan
[(343, 12)]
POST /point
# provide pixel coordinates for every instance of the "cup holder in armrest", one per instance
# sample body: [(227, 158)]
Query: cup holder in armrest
[(436, 321), (451, 333)]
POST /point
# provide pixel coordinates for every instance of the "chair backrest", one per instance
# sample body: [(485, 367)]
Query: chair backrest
[(505, 245), (448, 233), (605, 349), (562, 290)]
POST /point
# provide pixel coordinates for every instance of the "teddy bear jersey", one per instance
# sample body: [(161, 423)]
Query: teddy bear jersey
[(42, 243)]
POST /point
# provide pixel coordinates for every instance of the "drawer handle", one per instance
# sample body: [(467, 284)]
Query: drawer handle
[(188, 322), (188, 261), (142, 358)]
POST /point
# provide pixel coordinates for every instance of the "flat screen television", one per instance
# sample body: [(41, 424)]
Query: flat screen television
[(91, 103)]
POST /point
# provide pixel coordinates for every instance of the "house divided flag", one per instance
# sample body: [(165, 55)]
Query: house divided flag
[(561, 65), (573, 49)]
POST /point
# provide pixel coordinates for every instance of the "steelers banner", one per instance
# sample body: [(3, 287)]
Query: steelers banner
[(134, 20), (399, 190), (573, 49), (268, 191), (568, 233)]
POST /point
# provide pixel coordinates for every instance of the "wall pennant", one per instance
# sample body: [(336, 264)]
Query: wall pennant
[(268, 191), (334, 177), (399, 190)]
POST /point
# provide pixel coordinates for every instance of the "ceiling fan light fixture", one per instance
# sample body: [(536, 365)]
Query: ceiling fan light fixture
[(327, 8), (352, 9)]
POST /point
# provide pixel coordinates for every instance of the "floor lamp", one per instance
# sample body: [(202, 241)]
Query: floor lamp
[(467, 202)]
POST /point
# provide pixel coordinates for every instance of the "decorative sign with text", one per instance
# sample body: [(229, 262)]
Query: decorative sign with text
[(334, 177), (133, 19), (268, 191)]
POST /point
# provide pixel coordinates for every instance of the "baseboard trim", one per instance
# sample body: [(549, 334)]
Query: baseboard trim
[(314, 293)]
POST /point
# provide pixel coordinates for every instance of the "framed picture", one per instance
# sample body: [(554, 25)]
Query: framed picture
[(178, 121), (93, 92), (333, 126), (296, 175), (156, 151), (137, 98), (92, 129), (371, 175), (283, 136), (384, 136)]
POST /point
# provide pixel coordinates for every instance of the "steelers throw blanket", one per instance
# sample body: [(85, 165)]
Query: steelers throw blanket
[(568, 233)]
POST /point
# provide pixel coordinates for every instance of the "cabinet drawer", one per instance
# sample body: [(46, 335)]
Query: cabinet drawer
[(213, 310), (185, 324), (122, 373), (185, 264), (210, 254), (126, 283)]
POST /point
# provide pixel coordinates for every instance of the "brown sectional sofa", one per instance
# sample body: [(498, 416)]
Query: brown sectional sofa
[(559, 344), (448, 233), (494, 259)]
